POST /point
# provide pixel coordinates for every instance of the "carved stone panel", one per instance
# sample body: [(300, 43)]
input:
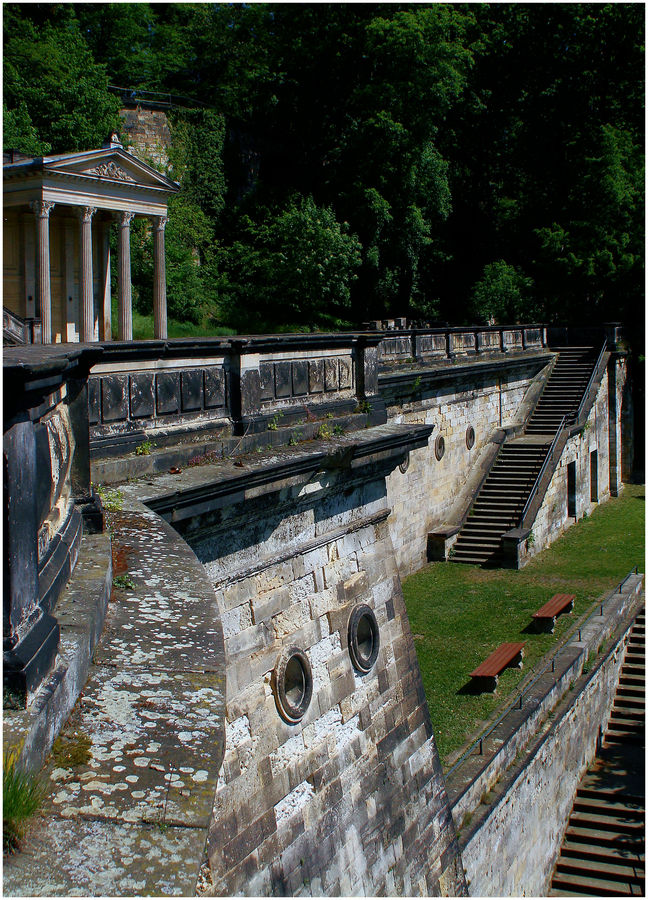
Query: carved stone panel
[(168, 393), (300, 377), (142, 395), (192, 390), (330, 374), (266, 376), (316, 376), (214, 388), (346, 379), (283, 380), (114, 398), (94, 401)]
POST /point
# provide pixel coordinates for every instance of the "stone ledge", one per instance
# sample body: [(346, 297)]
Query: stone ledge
[(80, 613), (133, 818)]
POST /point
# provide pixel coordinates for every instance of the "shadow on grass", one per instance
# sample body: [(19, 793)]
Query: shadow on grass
[(473, 689)]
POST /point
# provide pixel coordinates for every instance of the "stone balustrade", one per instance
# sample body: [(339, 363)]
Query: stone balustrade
[(428, 344)]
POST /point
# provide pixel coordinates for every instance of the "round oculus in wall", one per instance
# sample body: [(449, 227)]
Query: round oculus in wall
[(293, 684), (364, 637), (439, 447), (404, 466), (470, 437)]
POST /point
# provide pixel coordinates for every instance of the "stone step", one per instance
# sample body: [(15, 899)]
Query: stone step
[(610, 794), (579, 886), (613, 823), (603, 869), (607, 806)]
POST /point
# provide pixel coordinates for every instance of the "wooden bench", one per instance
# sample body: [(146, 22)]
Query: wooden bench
[(505, 656), (547, 615)]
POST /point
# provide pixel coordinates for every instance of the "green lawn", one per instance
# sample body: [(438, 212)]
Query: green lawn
[(460, 613)]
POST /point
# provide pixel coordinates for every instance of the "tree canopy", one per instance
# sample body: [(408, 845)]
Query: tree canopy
[(342, 162)]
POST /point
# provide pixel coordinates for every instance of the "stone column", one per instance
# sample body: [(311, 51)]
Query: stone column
[(105, 324), (87, 292), (42, 209), (159, 282), (125, 291)]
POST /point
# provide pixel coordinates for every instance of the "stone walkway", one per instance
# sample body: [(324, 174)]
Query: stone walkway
[(133, 818)]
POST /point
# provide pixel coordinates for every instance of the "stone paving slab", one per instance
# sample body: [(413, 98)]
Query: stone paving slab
[(95, 858), (131, 819), (154, 738), (168, 618)]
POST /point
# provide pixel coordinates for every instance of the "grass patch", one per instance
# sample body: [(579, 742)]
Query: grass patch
[(459, 614), (71, 750), (22, 795)]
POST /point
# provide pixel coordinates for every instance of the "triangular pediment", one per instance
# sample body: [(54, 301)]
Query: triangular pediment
[(109, 165)]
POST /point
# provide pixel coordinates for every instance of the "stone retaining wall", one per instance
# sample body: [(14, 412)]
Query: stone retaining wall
[(423, 494), (348, 798), (510, 846)]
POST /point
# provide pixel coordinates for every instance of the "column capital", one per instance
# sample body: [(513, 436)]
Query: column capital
[(86, 213), (125, 218), (41, 208), (159, 222)]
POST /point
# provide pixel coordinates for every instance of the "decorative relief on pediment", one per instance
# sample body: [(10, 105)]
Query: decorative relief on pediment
[(111, 170)]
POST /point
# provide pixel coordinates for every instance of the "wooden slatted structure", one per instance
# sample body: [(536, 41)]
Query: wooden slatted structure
[(546, 616), (506, 655)]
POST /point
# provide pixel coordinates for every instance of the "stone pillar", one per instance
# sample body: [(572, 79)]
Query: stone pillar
[(42, 209), (159, 282), (125, 292), (105, 323), (87, 293)]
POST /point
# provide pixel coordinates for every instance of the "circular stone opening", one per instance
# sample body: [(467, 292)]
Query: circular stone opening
[(439, 447), (364, 638), (470, 437), (293, 683)]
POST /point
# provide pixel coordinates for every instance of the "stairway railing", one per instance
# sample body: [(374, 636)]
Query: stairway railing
[(548, 460), (591, 380)]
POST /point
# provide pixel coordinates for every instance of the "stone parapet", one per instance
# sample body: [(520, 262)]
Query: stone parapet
[(47, 486)]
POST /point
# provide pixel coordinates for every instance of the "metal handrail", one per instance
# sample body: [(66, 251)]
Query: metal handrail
[(543, 468), (591, 379), (517, 702)]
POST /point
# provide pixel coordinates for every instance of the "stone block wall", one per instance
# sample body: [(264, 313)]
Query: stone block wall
[(350, 798), (149, 134), (592, 478), (422, 495), (512, 852)]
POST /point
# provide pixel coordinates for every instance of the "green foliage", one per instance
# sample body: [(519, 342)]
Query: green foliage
[(71, 749), (55, 94), (351, 161), (502, 294), (294, 266), (22, 795), (144, 449)]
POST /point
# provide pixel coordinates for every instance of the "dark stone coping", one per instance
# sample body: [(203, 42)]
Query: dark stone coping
[(521, 729), (199, 488), (447, 369)]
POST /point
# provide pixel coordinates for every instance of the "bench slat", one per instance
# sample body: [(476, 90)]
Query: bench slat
[(555, 606), (498, 660)]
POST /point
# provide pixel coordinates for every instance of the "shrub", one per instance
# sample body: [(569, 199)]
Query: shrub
[(22, 794)]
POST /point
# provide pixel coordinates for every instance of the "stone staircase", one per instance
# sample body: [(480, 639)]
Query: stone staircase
[(564, 390), (500, 502), (503, 495), (603, 851)]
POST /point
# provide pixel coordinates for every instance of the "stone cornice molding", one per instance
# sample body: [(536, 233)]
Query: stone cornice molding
[(41, 208)]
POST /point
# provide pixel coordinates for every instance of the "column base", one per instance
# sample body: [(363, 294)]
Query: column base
[(26, 665)]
